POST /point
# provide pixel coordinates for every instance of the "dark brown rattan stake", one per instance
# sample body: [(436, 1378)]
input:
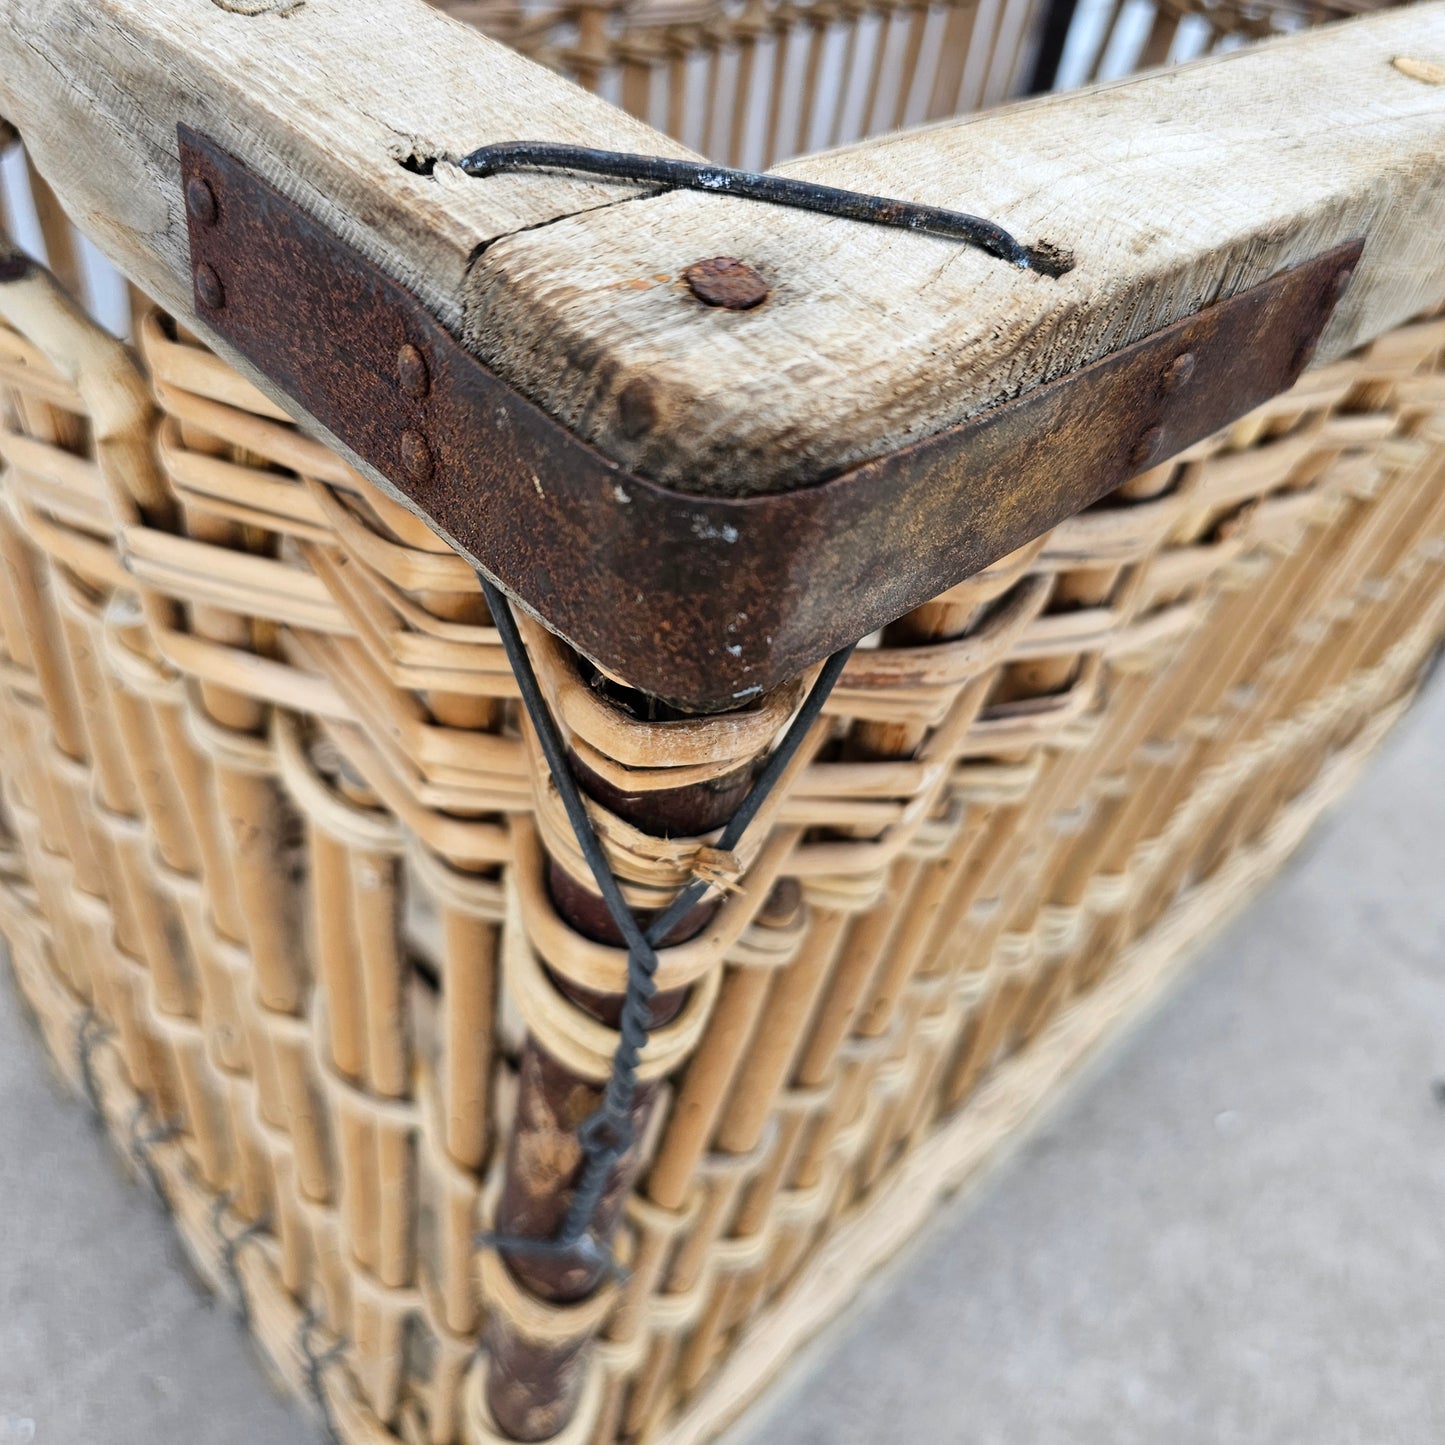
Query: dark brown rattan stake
[(607, 1134), (529, 155)]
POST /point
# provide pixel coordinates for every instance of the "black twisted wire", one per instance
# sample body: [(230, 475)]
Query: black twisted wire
[(606, 1135)]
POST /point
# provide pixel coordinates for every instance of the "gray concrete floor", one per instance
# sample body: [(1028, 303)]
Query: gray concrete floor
[(1234, 1232)]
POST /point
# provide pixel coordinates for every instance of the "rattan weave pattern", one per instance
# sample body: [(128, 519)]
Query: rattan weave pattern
[(753, 82), (280, 858)]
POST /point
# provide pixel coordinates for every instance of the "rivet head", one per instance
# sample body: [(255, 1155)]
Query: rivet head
[(208, 287), (637, 408), (727, 282), (201, 200), (412, 371), (1432, 72), (1178, 372), (1147, 447), (416, 456)]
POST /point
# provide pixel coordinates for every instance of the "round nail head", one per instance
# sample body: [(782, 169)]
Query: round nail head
[(201, 200), (1147, 447), (1432, 72), (208, 287), (1179, 371), (727, 282), (412, 372), (416, 456), (637, 408)]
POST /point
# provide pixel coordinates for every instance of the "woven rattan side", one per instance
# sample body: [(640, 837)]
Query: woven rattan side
[(750, 84)]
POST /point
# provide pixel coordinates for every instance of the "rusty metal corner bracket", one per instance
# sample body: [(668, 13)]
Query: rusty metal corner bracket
[(705, 601)]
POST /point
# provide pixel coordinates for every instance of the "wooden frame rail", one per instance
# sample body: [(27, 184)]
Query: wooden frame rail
[(1164, 194)]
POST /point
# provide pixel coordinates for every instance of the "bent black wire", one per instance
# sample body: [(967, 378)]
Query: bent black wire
[(231, 1246), (316, 1369), (88, 1037), (606, 1135), (775, 190)]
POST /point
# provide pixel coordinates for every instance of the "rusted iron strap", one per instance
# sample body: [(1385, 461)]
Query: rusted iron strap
[(706, 601)]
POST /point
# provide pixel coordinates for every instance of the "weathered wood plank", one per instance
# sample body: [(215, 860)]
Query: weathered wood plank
[(324, 99), (1171, 191)]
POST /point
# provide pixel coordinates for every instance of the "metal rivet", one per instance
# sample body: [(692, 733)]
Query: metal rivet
[(727, 282), (413, 372), (1147, 446), (416, 456), (201, 200), (1432, 72), (1178, 372), (209, 288), (637, 408)]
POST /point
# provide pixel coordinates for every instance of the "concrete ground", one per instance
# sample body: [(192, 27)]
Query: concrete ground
[(1234, 1232)]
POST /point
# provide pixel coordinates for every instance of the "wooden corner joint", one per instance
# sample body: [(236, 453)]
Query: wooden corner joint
[(705, 601)]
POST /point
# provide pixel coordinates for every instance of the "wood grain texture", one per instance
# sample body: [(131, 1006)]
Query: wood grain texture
[(324, 99), (1171, 191)]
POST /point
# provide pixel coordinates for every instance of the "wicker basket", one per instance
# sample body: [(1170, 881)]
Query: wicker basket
[(753, 83), (297, 909)]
